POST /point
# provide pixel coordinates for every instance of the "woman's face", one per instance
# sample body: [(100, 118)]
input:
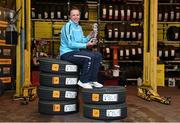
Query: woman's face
[(75, 16)]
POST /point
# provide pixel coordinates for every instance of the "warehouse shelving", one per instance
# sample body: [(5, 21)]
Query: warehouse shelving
[(3, 24), (7, 54), (170, 73), (163, 26), (172, 65), (124, 63)]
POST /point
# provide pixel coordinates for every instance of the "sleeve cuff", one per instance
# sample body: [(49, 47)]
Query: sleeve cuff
[(88, 37), (84, 45)]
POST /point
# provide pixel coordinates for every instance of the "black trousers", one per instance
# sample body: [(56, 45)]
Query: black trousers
[(89, 63)]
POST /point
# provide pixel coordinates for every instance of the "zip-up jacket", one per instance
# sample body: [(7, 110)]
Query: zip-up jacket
[(72, 38)]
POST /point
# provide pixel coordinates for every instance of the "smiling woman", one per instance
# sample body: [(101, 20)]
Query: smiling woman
[(74, 48)]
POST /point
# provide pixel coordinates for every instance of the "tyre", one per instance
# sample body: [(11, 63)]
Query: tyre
[(105, 95), (57, 66), (173, 33), (105, 112), (54, 80), (58, 107), (61, 94), (1, 88)]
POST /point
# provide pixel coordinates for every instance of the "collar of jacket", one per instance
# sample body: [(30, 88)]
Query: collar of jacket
[(72, 22)]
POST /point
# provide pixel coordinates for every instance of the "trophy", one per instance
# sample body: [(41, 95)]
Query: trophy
[(95, 30)]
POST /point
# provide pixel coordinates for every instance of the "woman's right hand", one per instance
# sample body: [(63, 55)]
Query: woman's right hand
[(91, 43)]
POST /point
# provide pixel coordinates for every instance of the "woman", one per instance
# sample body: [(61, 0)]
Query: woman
[(72, 41)]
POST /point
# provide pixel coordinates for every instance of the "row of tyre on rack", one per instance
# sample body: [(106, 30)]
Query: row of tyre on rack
[(59, 94), (125, 32), (129, 32), (136, 53), (55, 11)]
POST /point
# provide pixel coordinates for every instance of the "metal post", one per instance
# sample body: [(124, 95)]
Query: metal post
[(27, 53), (18, 51), (150, 43), (148, 90)]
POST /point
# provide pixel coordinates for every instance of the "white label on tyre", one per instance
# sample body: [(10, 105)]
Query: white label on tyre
[(177, 16), (140, 15), (113, 113), (107, 50), (71, 68), (127, 52), (133, 34), (116, 33), (104, 11), (128, 35), (70, 94), (122, 13), (70, 108), (116, 13), (139, 36), (172, 52), (176, 35), (110, 97), (109, 33), (165, 16), (160, 16), (71, 81), (134, 15), (139, 50), (166, 53), (160, 53), (122, 34), (110, 12), (133, 51), (121, 52), (172, 15)]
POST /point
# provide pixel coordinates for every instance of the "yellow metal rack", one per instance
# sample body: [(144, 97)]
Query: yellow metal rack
[(148, 90)]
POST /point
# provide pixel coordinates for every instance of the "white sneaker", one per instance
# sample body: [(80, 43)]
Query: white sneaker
[(97, 85), (85, 85)]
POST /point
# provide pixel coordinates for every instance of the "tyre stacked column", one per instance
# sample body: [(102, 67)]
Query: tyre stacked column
[(107, 103), (58, 92)]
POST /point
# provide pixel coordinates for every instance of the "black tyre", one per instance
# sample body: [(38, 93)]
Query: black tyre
[(105, 112), (173, 33), (105, 95), (53, 80), (1, 88), (49, 93), (58, 107), (57, 66)]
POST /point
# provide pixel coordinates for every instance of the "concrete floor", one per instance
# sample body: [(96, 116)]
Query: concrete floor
[(139, 110)]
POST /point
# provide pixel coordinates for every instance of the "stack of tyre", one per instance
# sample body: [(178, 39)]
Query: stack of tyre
[(58, 91), (107, 103)]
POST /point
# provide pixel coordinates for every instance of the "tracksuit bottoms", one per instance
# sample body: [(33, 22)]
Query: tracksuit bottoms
[(89, 63)]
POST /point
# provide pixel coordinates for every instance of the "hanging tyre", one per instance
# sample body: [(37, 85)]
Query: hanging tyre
[(49, 93), (55, 80), (105, 112), (58, 107), (1, 88), (105, 95), (57, 66), (173, 33)]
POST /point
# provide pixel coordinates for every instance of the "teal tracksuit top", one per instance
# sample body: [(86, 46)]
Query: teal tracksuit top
[(72, 38)]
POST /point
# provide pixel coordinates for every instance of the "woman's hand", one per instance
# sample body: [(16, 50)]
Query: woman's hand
[(91, 43)]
